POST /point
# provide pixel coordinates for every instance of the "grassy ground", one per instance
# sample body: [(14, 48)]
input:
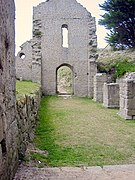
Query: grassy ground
[(78, 131), (26, 87)]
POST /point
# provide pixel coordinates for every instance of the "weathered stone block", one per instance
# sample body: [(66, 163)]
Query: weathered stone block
[(127, 96), (111, 95), (99, 80)]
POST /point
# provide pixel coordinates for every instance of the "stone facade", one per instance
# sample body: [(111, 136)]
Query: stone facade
[(127, 96), (48, 53), (24, 62), (99, 80), (111, 95), (54, 15), (8, 124)]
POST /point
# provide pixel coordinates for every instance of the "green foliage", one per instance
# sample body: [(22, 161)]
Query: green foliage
[(73, 134), (124, 66), (66, 73), (64, 79), (117, 67), (26, 87), (120, 20)]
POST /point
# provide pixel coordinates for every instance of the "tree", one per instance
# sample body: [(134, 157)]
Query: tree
[(119, 18)]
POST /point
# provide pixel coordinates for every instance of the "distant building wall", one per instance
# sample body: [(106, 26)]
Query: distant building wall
[(24, 62)]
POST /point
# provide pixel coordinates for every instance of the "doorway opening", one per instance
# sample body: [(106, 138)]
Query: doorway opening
[(64, 80)]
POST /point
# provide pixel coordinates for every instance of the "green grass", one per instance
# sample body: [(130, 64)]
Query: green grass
[(78, 131), (26, 87)]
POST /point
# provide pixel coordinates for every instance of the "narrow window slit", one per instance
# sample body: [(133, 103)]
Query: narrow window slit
[(65, 35)]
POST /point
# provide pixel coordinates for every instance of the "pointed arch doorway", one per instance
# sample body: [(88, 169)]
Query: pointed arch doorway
[(64, 80)]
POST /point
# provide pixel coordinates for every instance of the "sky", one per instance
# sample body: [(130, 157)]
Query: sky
[(24, 12)]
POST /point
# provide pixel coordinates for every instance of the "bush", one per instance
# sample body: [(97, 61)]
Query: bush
[(117, 67), (124, 66)]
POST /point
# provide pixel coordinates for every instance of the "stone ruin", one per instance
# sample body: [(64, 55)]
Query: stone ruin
[(127, 96), (64, 34), (24, 62), (14, 115), (40, 58), (18, 118), (99, 80), (116, 95), (111, 95)]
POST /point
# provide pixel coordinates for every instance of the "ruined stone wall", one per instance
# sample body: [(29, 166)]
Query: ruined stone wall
[(49, 17), (36, 47), (99, 80), (8, 124), (111, 95), (24, 62), (92, 73), (127, 96), (27, 108)]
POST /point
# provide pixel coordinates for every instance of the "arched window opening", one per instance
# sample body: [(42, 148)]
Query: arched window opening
[(64, 80), (65, 36)]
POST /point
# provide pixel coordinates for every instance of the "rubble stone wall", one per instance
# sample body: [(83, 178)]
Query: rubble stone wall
[(27, 108), (111, 95), (8, 123)]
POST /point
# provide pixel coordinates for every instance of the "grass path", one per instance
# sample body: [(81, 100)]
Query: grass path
[(26, 88), (77, 131)]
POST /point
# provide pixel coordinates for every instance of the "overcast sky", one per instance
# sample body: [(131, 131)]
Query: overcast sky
[(24, 10)]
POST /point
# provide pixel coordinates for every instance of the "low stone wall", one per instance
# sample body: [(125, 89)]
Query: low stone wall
[(99, 80), (127, 96), (111, 95), (27, 108)]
